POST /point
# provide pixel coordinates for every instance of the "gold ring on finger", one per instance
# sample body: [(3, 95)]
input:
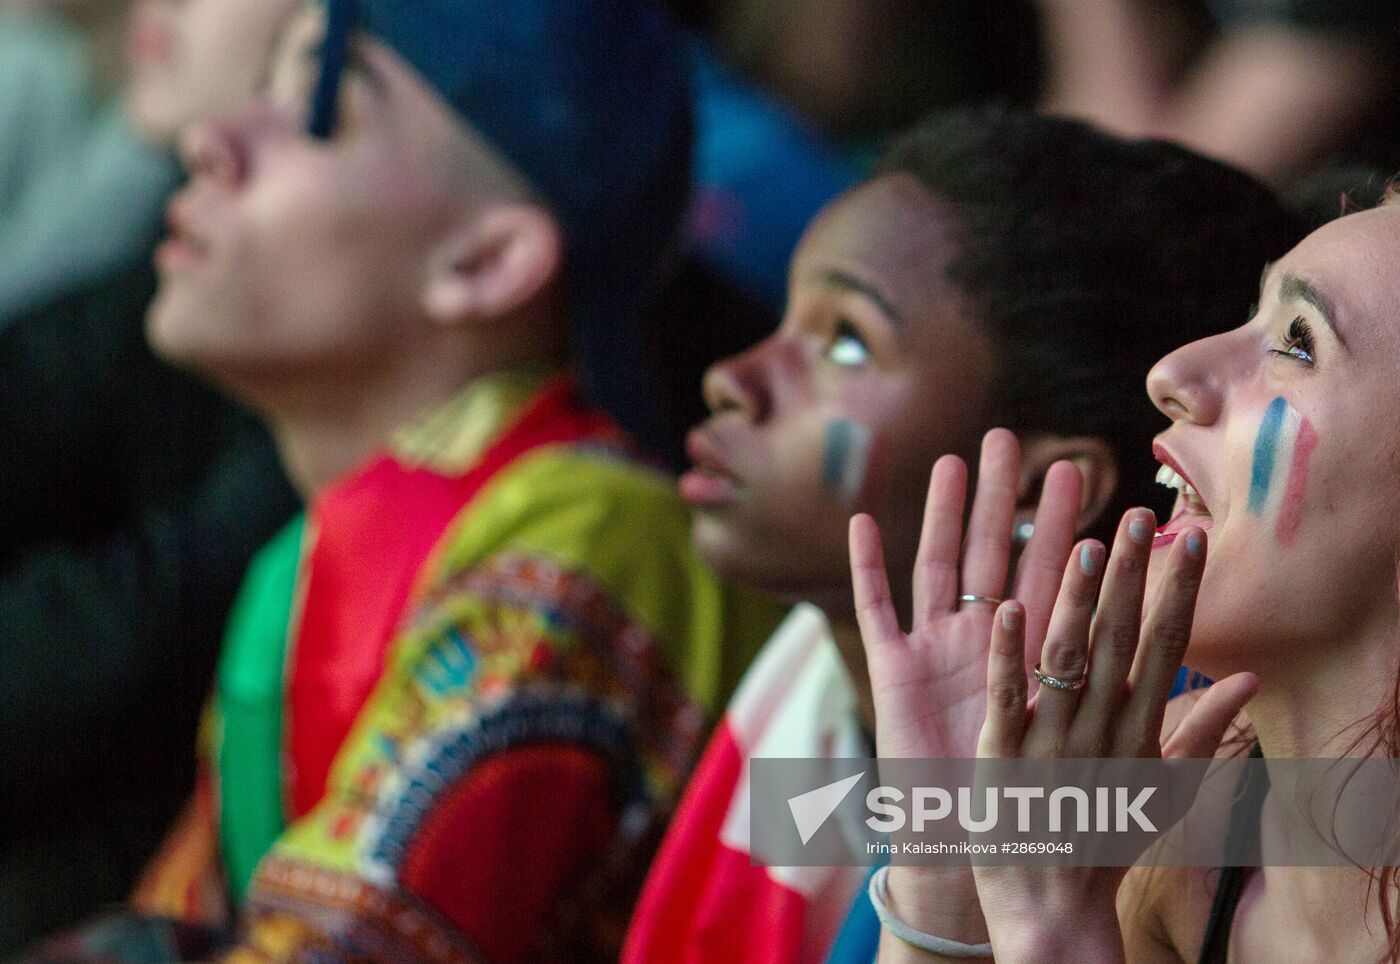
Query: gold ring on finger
[(1054, 682)]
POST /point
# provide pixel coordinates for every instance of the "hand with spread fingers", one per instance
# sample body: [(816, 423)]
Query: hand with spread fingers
[(930, 683), (1105, 676)]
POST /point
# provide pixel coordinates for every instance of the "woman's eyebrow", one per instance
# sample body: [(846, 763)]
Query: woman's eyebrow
[(848, 282), (1294, 288)]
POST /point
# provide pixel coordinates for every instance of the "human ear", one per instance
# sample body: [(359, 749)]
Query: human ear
[(496, 262), (1089, 454)]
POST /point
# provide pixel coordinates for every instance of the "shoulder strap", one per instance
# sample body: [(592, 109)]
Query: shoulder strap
[(1215, 949)]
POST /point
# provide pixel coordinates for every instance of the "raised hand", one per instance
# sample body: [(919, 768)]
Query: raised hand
[(1126, 664), (929, 684)]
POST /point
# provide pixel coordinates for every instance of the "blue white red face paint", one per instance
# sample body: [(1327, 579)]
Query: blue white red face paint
[(1278, 477), (846, 459)]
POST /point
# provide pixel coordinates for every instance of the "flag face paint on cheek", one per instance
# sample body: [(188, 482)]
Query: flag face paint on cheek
[(1278, 480), (846, 459)]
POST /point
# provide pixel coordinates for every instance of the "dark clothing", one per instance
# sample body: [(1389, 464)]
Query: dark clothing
[(134, 497), (1215, 949)]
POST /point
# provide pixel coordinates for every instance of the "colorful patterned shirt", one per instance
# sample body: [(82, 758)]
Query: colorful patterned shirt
[(460, 697)]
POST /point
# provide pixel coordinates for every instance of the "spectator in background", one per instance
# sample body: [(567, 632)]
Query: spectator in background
[(791, 100), (46, 97), (1284, 86), (862, 70), (134, 498), (97, 203)]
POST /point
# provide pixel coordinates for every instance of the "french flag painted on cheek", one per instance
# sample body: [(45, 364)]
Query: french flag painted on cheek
[(1279, 474)]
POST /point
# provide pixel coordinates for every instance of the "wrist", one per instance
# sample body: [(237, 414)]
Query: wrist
[(938, 900), (1037, 931)]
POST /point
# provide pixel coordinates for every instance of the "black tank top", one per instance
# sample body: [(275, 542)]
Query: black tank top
[(1245, 815)]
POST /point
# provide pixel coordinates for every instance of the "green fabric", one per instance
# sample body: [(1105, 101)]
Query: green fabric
[(250, 694)]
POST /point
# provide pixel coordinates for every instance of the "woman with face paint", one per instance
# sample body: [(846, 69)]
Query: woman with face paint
[(997, 270), (1282, 456)]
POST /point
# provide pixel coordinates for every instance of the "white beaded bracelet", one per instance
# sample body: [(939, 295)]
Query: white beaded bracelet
[(924, 942)]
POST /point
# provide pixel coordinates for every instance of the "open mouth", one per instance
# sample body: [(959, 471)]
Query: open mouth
[(1190, 509)]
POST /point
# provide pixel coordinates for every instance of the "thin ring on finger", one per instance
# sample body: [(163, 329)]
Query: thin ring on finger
[(972, 597), (1054, 682), (1064, 658)]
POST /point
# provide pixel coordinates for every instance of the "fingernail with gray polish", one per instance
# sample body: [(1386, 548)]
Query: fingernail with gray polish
[(1088, 560), (1009, 615), (1140, 529)]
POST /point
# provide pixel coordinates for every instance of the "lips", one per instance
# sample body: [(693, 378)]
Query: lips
[(183, 244), (1190, 508), (1169, 530), (711, 482)]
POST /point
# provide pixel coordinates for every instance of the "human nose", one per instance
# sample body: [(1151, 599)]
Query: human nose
[(745, 382), (215, 150), (223, 149), (1186, 385)]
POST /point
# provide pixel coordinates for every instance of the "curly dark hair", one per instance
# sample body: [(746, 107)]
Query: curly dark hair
[(1087, 257)]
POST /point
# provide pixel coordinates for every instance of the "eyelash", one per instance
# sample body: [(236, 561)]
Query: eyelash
[(1297, 342)]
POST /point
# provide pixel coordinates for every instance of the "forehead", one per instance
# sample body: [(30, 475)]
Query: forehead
[(1355, 262), (891, 227)]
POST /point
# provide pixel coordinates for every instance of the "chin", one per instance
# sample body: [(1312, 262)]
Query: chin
[(719, 547), (1219, 651), (174, 337), (162, 329), (753, 561), (170, 330)]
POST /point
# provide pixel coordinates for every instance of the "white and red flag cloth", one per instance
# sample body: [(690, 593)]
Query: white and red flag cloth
[(705, 900)]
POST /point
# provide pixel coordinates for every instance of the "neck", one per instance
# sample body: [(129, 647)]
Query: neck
[(324, 433), (1327, 707), (325, 427), (327, 421)]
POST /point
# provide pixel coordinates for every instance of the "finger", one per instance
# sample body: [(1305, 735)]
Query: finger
[(1204, 727), (1066, 649), (1166, 632), (874, 608), (1118, 621), (936, 566), (1005, 724), (1042, 562), (988, 549)]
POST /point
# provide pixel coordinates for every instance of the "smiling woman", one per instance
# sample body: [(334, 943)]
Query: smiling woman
[(1281, 444)]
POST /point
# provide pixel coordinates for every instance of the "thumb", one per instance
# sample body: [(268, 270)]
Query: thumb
[(1204, 726)]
